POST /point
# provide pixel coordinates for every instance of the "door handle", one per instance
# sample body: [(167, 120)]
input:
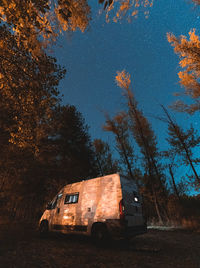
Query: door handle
[(58, 210)]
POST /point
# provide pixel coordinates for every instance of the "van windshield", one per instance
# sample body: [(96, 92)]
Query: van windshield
[(55, 201)]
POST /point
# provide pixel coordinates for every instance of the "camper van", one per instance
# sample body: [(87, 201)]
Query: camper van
[(100, 207)]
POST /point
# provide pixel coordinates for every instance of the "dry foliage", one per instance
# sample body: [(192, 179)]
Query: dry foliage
[(189, 54), (123, 79), (36, 23), (118, 9), (28, 91)]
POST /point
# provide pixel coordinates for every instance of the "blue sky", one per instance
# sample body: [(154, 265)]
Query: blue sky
[(140, 47)]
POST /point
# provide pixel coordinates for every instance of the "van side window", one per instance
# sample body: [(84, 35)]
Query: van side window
[(71, 198), (136, 197)]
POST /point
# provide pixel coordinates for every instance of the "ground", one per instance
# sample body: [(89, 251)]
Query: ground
[(22, 247)]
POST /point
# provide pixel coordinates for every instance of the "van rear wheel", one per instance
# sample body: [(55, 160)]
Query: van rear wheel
[(44, 229), (99, 233)]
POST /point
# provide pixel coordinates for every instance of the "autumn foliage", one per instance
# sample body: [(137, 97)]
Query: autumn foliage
[(188, 51), (36, 23)]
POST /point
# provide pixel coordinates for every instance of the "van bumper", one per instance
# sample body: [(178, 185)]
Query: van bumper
[(131, 231), (117, 228)]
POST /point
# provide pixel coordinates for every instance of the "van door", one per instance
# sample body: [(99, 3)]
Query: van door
[(69, 208), (56, 212), (68, 217), (133, 208)]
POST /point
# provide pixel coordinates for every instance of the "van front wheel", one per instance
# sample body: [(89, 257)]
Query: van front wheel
[(44, 229)]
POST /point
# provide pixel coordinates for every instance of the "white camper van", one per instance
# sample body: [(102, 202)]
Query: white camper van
[(103, 206)]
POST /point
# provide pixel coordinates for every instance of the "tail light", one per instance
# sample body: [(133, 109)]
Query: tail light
[(121, 210)]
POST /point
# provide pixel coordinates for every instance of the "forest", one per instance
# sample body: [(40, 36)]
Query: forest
[(46, 145)]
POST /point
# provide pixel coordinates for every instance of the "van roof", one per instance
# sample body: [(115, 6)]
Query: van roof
[(124, 180), (114, 174)]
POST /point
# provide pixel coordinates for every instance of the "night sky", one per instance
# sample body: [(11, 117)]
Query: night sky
[(140, 47)]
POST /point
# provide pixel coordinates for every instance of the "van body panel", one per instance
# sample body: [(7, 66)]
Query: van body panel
[(80, 205)]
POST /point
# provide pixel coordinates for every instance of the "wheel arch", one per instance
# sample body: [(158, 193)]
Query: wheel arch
[(98, 224), (44, 222)]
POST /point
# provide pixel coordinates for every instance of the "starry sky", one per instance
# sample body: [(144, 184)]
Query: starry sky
[(139, 47)]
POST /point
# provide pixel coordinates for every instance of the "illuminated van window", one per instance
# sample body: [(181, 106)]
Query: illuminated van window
[(71, 198)]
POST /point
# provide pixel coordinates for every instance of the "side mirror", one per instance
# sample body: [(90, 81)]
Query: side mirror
[(49, 206)]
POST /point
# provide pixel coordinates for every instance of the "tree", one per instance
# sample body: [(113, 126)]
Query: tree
[(182, 143), (66, 156), (146, 140), (119, 127), (28, 95), (74, 155), (176, 198), (104, 159), (28, 90), (189, 54)]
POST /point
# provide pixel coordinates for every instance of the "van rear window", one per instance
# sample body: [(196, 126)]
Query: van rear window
[(71, 198)]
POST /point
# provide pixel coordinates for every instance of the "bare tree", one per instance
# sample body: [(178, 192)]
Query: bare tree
[(105, 162), (119, 127), (182, 142), (146, 140)]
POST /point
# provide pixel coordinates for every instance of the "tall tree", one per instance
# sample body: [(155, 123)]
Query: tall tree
[(119, 127), (28, 90), (74, 155), (66, 156), (29, 95), (146, 140), (104, 159), (182, 142)]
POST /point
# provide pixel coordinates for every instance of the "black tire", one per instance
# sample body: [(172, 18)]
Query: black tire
[(44, 229), (126, 242), (99, 234)]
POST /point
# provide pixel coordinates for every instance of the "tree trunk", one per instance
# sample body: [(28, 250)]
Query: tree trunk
[(126, 158), (191, 164), (174, 184), (100, 168), (157, 206)]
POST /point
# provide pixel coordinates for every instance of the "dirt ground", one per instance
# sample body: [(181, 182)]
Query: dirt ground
[(22, 247)]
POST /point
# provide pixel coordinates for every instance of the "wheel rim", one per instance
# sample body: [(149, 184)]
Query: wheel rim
[(99, 235)]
